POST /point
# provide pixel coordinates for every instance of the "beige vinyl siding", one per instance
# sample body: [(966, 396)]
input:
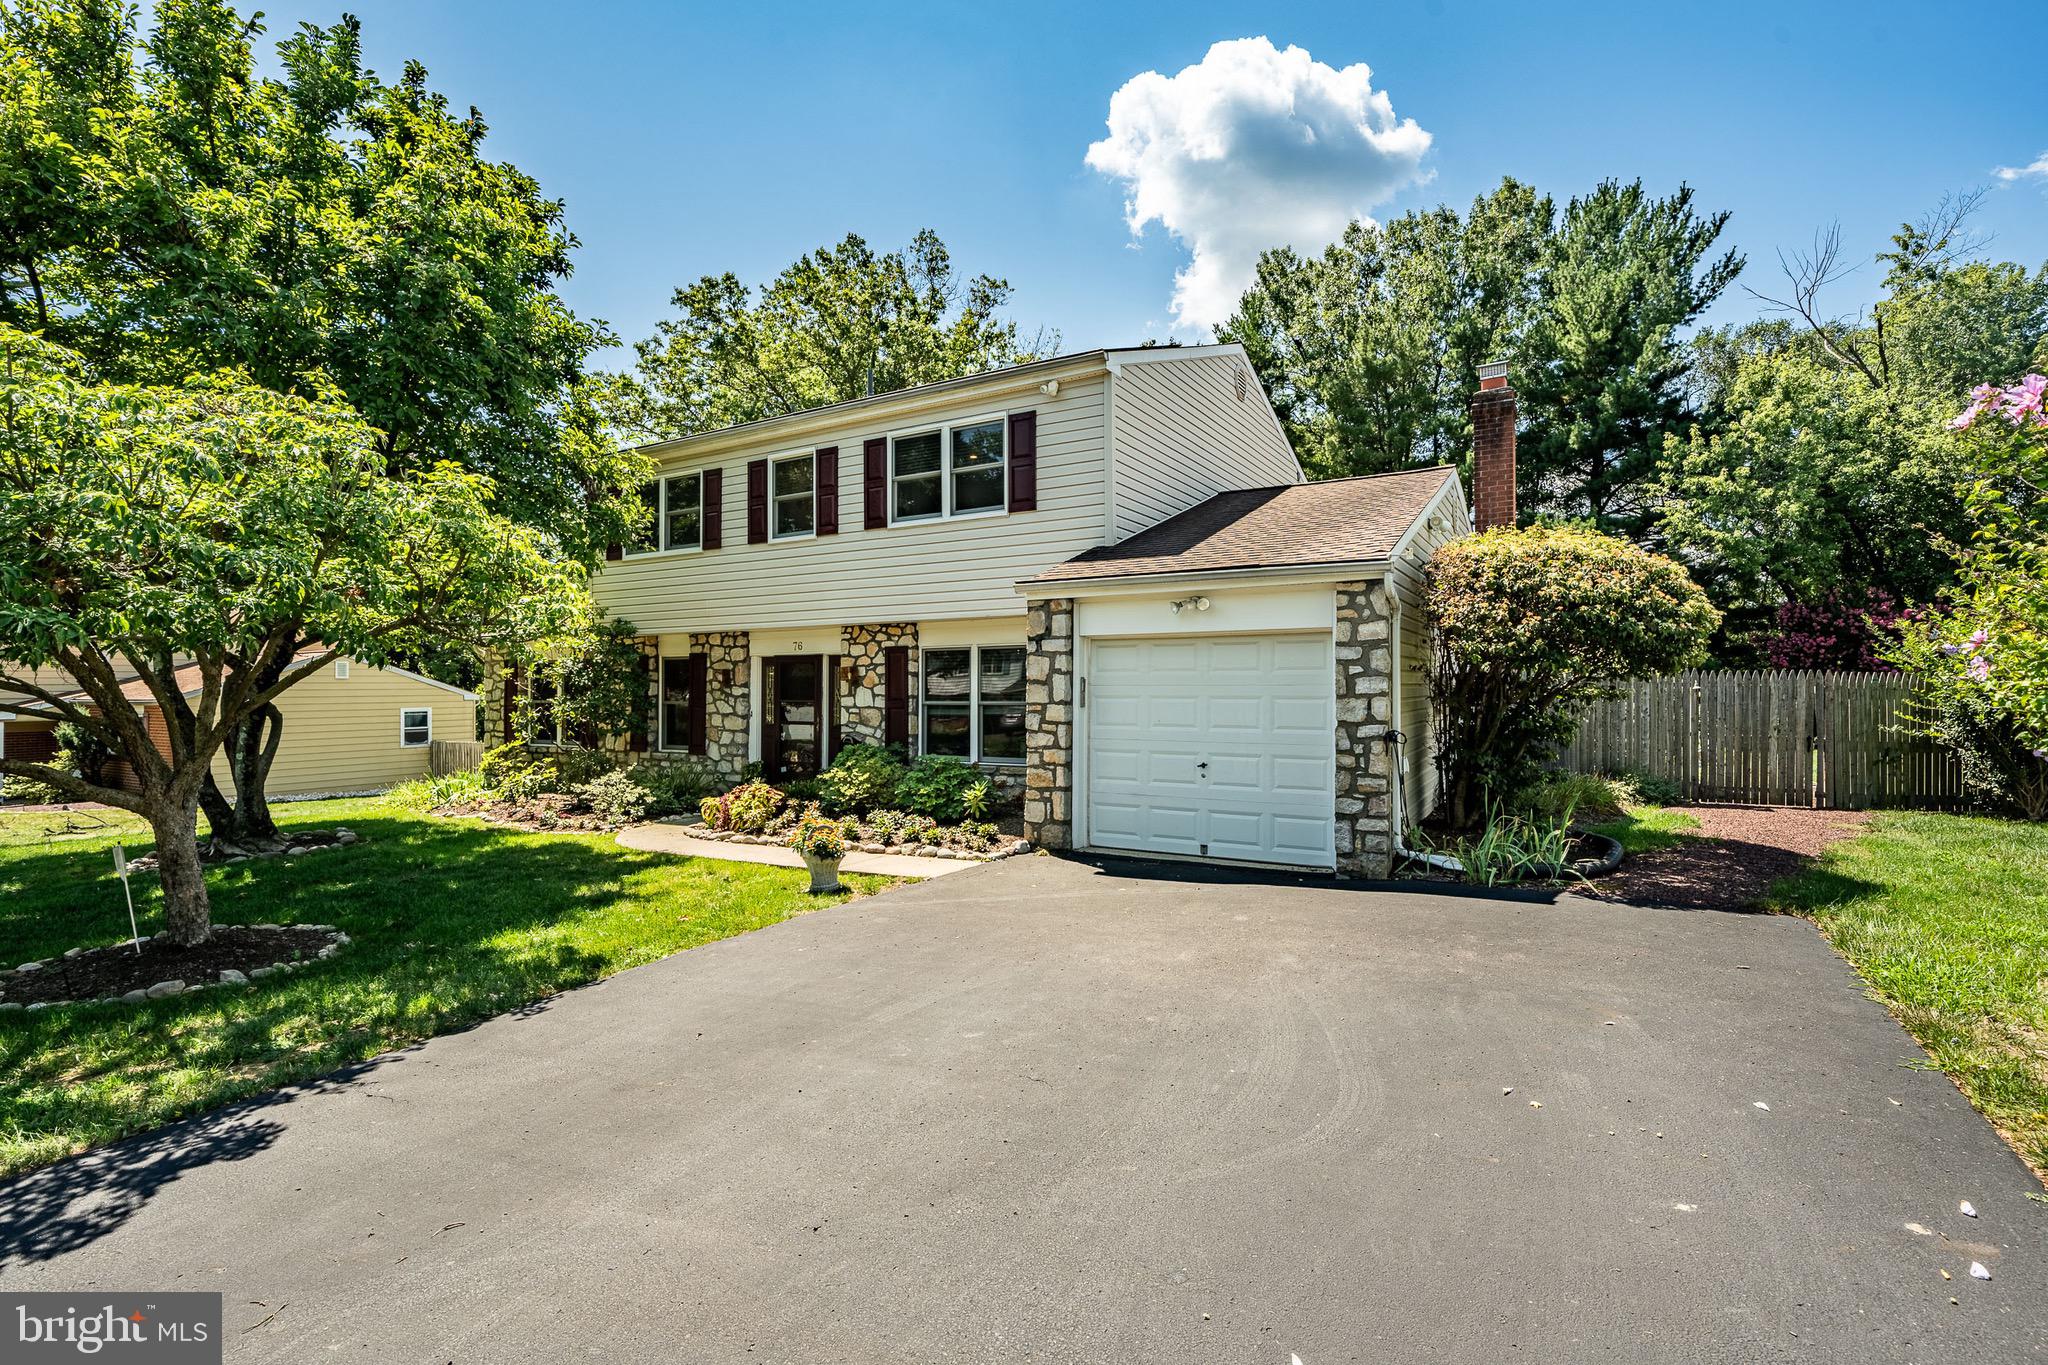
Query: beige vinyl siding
[(962, 567), (341, 734), (1181, 434), (1419, 777)]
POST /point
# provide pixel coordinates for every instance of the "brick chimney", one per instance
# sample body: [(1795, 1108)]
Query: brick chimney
[(1493, 448)]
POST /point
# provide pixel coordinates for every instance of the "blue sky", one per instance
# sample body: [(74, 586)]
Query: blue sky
[(691, 139)]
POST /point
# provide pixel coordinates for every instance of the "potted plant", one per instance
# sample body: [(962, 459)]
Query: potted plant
[(822, 844)]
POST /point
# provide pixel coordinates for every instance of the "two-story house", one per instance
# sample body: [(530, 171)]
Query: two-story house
[(1100, 576)]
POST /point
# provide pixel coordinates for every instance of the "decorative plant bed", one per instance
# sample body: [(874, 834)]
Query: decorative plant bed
[(556, 811), (1001, 846), (234, 955)]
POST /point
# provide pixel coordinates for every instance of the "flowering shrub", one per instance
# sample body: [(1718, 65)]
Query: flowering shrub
[(1836, 632), (1986, 659), (1527, 627), (615, 798), (818, 836)]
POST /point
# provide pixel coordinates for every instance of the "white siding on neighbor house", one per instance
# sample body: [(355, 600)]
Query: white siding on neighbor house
[(1419, 777), (934, 570), (341, 734), (1181, 434)]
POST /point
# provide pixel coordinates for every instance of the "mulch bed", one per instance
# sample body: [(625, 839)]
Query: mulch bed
[(114, 971), (1731, 860)]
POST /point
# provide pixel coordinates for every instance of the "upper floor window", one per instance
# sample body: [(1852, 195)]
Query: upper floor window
[(948, 472), (675, 514), (795, 508)]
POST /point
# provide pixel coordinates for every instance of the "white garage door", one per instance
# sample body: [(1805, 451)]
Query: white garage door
[(1218, 746)]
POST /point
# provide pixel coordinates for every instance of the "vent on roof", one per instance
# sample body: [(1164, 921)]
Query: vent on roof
[(341, 668), (1244, 385)]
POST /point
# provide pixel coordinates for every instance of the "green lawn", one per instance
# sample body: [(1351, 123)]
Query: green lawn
[(1946, 917), (1641, 829), (451, 921)]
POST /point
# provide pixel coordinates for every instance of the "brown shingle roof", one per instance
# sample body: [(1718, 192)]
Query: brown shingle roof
[(1336, 522)]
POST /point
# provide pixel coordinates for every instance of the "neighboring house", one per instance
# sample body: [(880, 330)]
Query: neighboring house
[(350, 727), (1101, 577)]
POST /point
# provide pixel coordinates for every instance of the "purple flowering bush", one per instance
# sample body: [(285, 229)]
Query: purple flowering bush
[(1838, 631), (1985, 655)]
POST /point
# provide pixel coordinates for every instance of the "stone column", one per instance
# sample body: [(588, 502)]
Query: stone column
[(1365, 672), (1049, 724), (728, 700)]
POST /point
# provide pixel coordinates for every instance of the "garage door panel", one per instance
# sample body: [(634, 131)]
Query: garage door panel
[(1301, 838), (1302, 716), (1299, 776), (1256, 709)]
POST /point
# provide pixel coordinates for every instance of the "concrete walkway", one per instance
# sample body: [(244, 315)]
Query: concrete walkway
[(667, 838)]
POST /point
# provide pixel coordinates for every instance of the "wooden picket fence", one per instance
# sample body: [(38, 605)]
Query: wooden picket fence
[(1771, 737), (445, 756)]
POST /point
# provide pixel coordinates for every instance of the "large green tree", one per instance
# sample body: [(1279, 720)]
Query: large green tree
[(1371, 349), (166, 210), (207, 529), (1823, 464), (840, 322)]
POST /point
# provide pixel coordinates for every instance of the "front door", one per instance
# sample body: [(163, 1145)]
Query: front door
[(792, 728)]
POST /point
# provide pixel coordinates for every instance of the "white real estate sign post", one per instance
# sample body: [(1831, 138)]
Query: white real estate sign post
[(121, 866)]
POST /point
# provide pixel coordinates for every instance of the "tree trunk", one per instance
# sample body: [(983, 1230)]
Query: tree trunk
[(188, 915), (245, 825)]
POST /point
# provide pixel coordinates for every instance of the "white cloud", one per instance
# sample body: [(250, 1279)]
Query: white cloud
[(2037, 169), (1252, 147)]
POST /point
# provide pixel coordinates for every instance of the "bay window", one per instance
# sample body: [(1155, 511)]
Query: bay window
[(973, 704), (950, 471)]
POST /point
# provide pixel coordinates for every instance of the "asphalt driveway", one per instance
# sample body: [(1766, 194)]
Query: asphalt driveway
[(1049, 1111)]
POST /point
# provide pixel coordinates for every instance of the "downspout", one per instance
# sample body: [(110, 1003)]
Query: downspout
[(1394, 739)]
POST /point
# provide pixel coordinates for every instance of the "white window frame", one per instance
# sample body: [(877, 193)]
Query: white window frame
[(661, 546), (975, 755), (811, 493), (341, 669), (946, 511), (405, 711), (661, 740)]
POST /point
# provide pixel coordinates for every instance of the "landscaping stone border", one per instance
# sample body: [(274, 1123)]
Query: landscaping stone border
[(1005, 848), (337, 940), (293, 846)]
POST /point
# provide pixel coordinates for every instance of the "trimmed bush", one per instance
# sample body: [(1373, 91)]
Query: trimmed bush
[(615, 798), (862, 778), (938, 786), (750, 808), (1527, 627)]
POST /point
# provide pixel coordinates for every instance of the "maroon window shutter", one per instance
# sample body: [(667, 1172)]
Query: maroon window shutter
[(1023, 462), (757, 501), (826, 465), (511, 701), (614, 553), (698, 700), (874, 485), (896, 695), (714, 508)]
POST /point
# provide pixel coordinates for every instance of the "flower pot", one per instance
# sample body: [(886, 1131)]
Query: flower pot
[(824, 874)]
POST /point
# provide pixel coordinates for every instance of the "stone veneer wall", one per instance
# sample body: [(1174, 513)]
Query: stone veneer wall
[(1365, 670), (728, 686), (863, 711), (1049, 724)]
